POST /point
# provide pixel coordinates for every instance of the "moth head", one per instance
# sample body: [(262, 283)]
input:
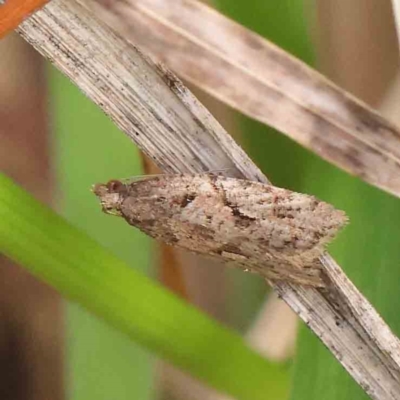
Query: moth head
[(111, 196)]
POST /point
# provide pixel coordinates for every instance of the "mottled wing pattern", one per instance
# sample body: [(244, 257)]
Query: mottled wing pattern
[(269, 230)]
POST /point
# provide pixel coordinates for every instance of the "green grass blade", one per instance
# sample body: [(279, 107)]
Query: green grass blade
[(83, 271), (86, 148)]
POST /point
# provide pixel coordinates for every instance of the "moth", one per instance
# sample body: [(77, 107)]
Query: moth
[(259, 227)]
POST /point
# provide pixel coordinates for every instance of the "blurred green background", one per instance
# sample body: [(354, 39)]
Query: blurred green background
[(102, 363)]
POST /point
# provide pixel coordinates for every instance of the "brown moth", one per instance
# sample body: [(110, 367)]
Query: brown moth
[(261, 228)]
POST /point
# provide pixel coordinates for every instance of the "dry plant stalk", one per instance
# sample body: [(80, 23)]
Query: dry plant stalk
[(262, 81), (164, 119)]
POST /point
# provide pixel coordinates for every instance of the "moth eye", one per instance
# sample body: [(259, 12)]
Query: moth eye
[(114, 186)]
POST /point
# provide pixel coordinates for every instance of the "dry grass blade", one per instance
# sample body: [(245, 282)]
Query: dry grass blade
[(262, 81), (164, 119)]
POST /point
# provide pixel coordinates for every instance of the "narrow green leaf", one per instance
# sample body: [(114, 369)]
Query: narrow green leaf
[(83, 271), (87, 147)]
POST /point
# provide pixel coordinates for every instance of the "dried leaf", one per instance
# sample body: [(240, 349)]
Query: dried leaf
[(262, 81)]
